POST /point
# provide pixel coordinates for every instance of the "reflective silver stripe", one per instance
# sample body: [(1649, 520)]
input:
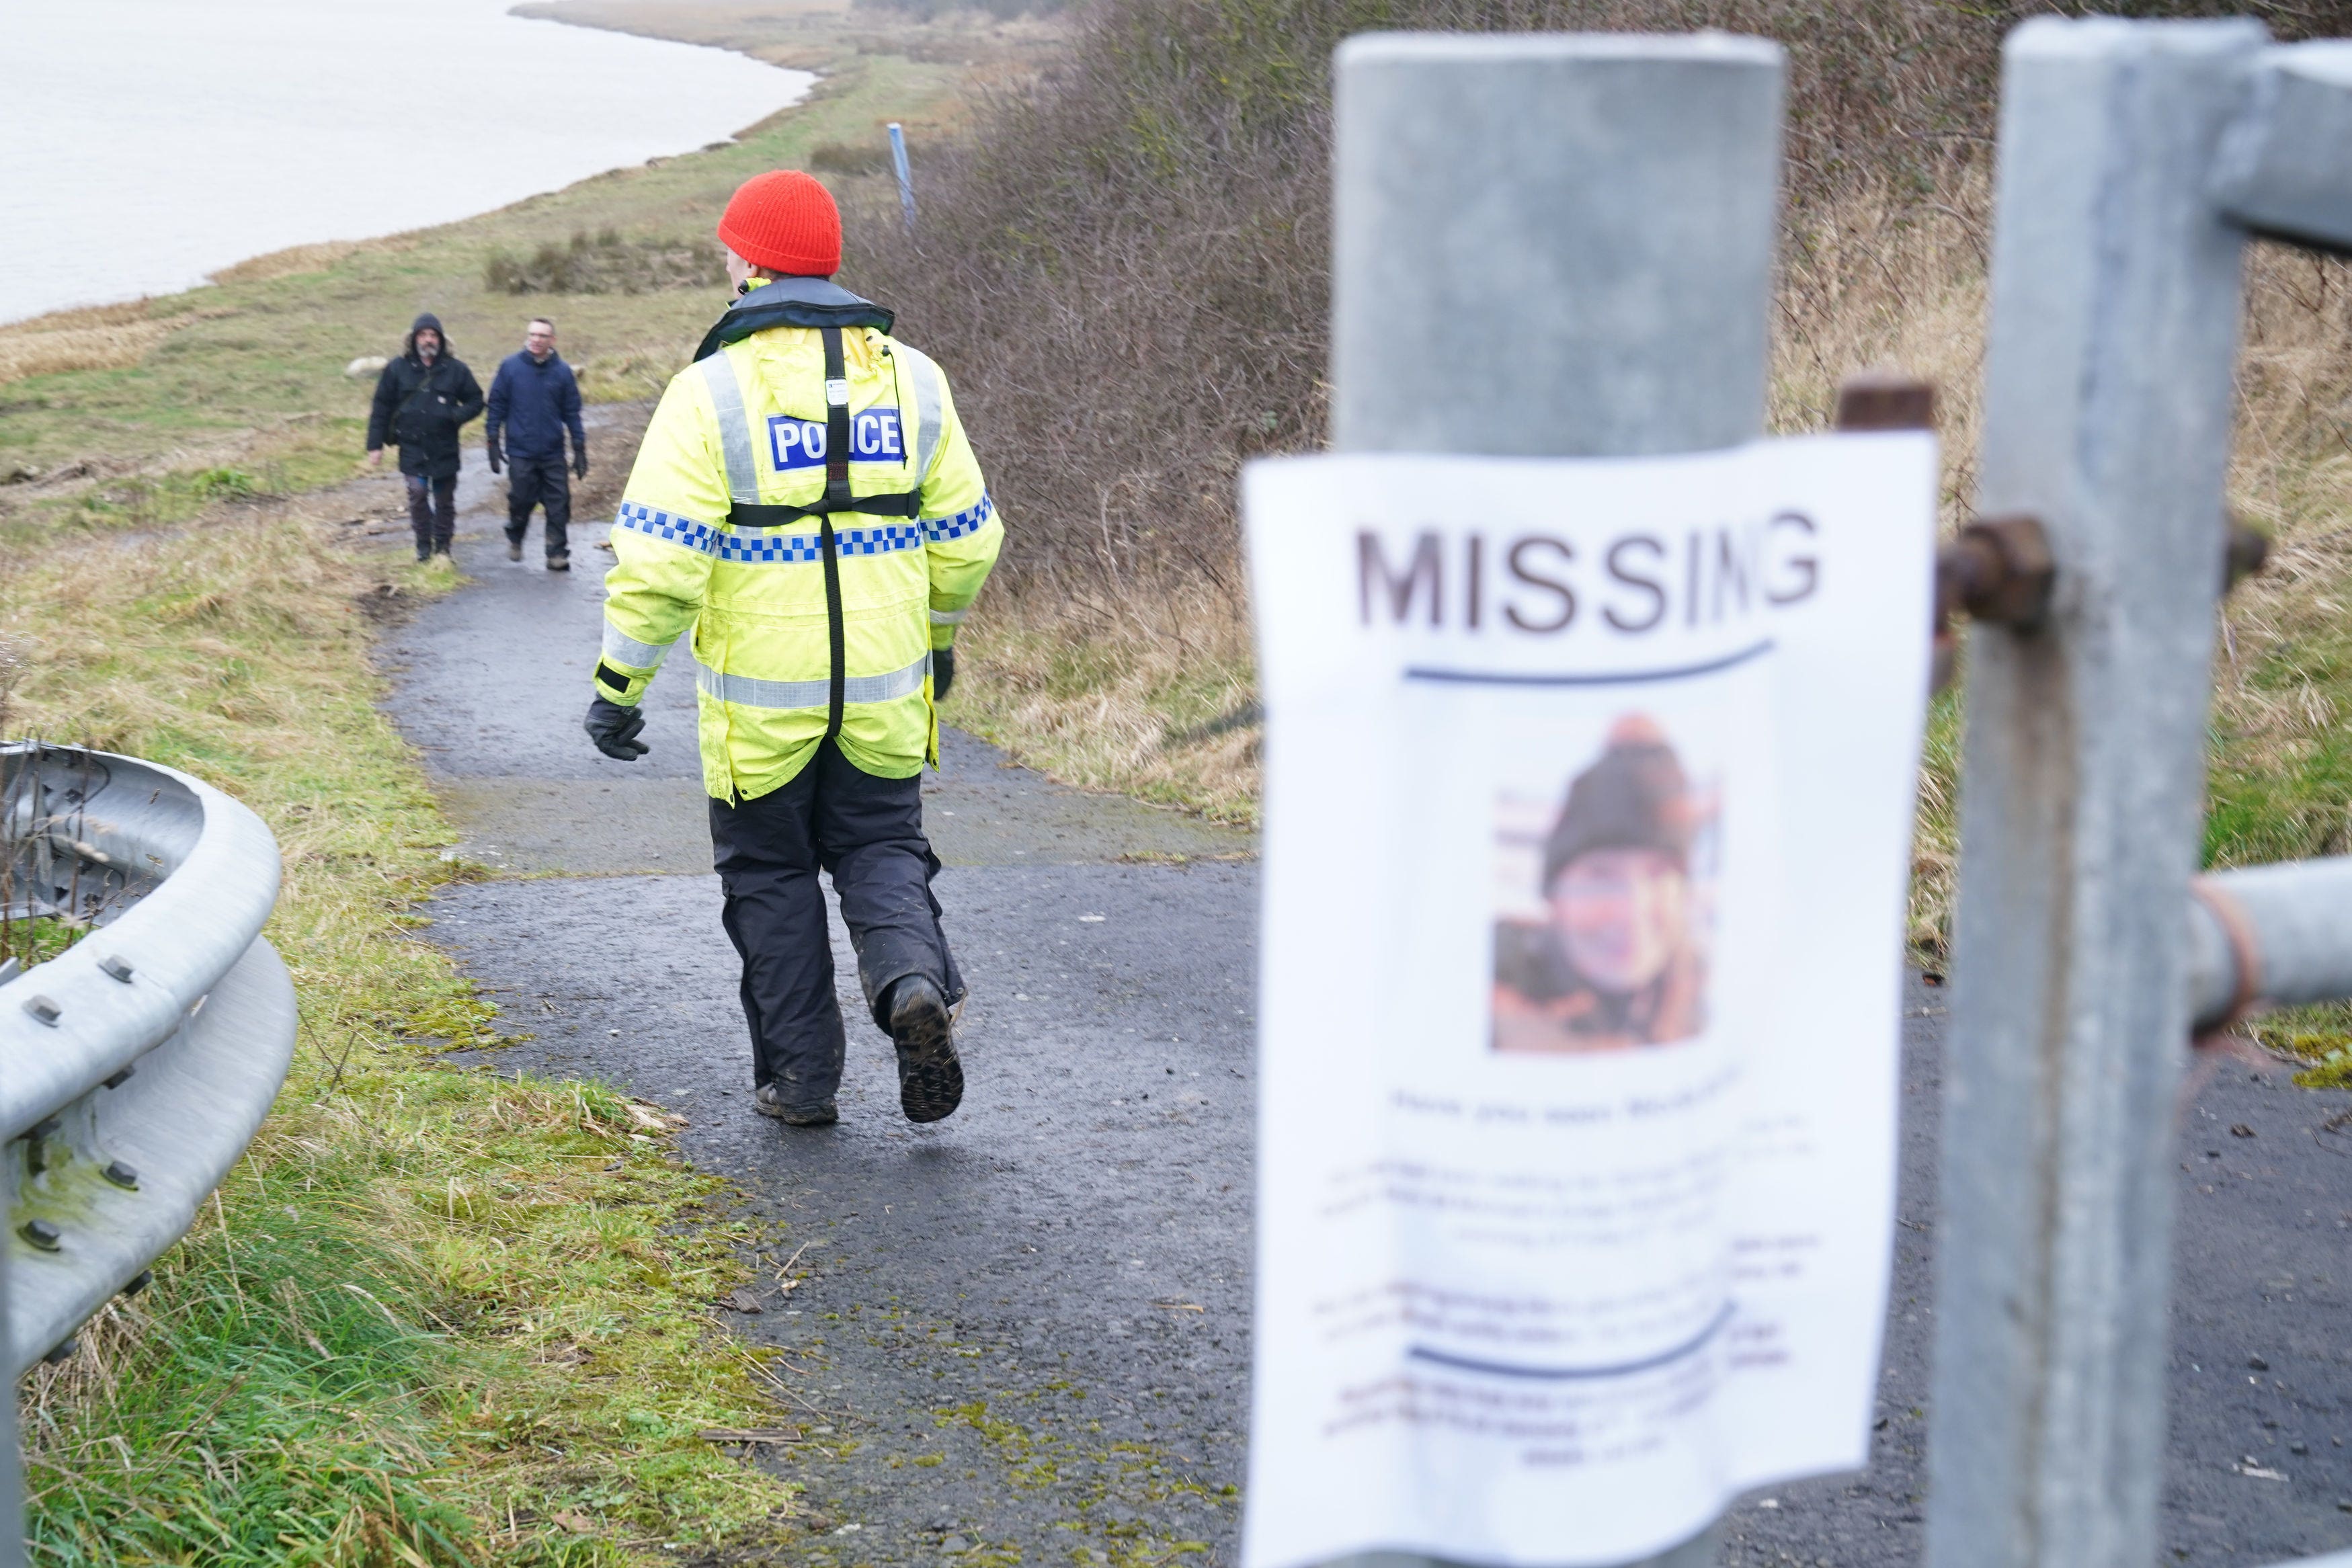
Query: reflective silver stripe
[(750, 692), (948, 617), (884, 688), (623, 648), (927, 411), (734, 427)]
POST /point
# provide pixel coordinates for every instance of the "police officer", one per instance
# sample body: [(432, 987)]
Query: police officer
[(806, 500)]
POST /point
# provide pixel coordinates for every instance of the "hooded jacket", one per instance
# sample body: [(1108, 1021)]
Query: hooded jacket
[(419, 408)]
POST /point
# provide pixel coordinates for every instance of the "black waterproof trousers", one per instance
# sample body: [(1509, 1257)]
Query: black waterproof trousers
[(867, 834), (431, 512), (533, 481)]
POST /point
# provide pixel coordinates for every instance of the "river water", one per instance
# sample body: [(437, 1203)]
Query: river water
[(151, 142)]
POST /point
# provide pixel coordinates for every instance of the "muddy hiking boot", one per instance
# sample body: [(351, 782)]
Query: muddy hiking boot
[(559, 563), (768, 1102), (931, 1078), (514, 546)]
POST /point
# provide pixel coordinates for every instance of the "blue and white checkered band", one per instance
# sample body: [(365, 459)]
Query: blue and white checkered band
[(970, 521), (670, 525), (726, 544), (879, 540), (782, 548), (769, 546)]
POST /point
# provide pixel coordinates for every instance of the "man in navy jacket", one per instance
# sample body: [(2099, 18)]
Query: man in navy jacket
[(533, 400)]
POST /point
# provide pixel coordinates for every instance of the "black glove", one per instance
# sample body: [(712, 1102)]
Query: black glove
[(614, 729), (497, 458), (579, 463), (942, 673)]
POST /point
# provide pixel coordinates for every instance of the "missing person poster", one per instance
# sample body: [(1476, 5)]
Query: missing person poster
[(1587, 821)]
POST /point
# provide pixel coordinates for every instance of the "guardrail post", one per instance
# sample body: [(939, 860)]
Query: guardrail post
[(1553, 245), (2114, 294)]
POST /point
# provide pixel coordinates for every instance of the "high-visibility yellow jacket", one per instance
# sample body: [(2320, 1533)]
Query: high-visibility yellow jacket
[(706, 537)]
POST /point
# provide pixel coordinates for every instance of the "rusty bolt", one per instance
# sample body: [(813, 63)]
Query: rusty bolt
[(1999, 571), (1884, 399)]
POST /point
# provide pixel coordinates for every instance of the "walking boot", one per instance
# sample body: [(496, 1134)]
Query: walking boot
[(931, 1078), (514, 546), (559, 563), (768, 1102)]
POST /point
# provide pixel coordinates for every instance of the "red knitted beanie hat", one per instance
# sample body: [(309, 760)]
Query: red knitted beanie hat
[(783, 222)]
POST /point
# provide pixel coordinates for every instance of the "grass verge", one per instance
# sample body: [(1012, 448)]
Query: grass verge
[(435, 1316), (1153, 695)]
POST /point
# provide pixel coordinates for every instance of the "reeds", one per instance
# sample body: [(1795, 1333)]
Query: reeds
[(104, 338)]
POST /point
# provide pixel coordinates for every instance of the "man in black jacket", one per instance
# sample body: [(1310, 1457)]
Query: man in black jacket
[(533, 400), (420, 400)]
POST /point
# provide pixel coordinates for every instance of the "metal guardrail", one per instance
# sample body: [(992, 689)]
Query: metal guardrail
[(136, 1065)]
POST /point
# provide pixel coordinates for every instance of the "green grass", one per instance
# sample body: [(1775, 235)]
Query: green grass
[(435, 1315), (34, 941)]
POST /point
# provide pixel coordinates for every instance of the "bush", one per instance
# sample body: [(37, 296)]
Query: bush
[(932, 10), (1125, 268), (850, 158), (607, 264)]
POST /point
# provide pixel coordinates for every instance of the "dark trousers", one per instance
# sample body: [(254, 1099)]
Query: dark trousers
[(867, 834), (536, 481), (432, 511)]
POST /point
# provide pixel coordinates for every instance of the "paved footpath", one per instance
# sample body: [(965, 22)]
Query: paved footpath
[(1022, 1334)]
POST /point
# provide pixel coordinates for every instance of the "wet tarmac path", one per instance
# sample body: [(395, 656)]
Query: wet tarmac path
[(1022, 1334)]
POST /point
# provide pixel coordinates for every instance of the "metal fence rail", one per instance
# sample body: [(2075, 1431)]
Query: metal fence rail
[(135, 1066)]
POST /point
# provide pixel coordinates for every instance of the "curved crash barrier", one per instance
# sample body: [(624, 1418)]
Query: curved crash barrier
[(136, 1065)]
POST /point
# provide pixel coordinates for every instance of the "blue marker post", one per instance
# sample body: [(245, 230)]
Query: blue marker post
[(905, 178)]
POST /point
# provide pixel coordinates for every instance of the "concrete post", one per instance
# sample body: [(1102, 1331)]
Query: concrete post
[(2106, 415), (1553, 245)]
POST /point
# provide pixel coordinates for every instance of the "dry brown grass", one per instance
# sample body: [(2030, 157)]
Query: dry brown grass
[(100, 337), (296, 258), (1151, 693)]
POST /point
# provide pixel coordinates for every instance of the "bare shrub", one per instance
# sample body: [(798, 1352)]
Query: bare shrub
[(605, 263), (850, 157), (1125, 267)]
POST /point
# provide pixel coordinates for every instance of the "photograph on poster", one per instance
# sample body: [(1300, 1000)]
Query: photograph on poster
[(1604, 893)]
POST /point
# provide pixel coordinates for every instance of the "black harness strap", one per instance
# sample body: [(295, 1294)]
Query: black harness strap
[(836, 498), (743, 515)]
